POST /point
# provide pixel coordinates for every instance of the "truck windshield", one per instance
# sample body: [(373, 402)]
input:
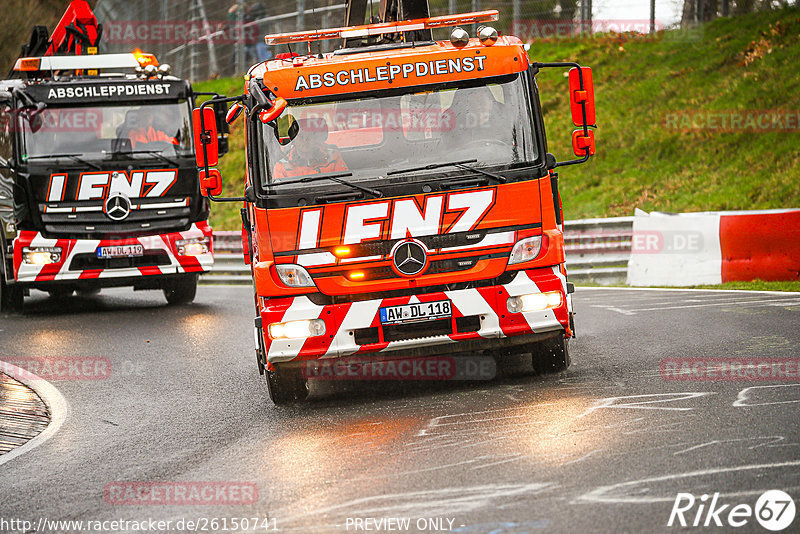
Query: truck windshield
[(488, 124), (95, 132)]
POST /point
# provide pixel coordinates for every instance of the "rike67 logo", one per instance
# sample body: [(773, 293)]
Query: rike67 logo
[(774, 510)]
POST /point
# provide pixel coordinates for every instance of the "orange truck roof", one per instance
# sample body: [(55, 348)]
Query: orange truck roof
[(332, 74)]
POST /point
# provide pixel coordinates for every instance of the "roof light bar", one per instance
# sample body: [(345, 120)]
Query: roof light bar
[(368, 30), (101, 61)]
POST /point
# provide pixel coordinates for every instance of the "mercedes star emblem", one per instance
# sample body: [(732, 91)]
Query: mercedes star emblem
[(117, 207), (409, 258)]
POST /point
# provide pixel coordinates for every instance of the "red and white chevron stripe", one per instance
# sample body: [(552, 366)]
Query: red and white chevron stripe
[(341, 320), (71, 247)]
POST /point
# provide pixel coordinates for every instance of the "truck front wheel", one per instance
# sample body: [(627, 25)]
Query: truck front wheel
[(11, 296), (181, 290), (286, 384), (551, 355)]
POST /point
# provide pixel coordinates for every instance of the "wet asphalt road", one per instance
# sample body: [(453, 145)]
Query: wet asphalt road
[(604, 447)]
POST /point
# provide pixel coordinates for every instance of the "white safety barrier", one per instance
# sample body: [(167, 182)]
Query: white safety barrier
[(714, 247)]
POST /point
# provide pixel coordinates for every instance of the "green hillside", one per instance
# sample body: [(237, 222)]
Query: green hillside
[(648, 91)]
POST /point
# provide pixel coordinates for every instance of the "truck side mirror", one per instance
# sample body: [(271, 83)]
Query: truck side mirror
[(206, 143), (234, 112), (581, 95), (286, 129), (211, 183), (582, 142), (274, 111)]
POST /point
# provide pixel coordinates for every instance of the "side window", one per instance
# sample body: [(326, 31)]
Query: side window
[(6, 130)]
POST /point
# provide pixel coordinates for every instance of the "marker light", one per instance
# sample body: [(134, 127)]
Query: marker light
[(382, 28), (27, 64), (356, 275), (294, 276), (534, 302), (41, 255), (297, 329), (341, 252), (194, 246), (145, 59), (525, 250)]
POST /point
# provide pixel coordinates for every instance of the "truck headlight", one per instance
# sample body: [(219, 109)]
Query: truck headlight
[(534, 302), (297, 329), (525, 250), (193, 246), (41, 255), (294, 276)]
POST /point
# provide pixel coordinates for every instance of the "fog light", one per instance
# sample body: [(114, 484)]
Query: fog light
[(194, 246), (534, 302), (459, 37), (525, 250), (487, 35), (294, 276), (41, 255), (297, 329)]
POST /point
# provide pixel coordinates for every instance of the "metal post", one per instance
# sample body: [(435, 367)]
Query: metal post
[(452, 7), (212, 55), (476, 6), (515, 14), (239, 54), (652, 16), (301, 15), (589, 16)]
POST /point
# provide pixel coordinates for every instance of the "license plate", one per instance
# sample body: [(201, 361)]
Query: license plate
[(120, 251), (422, 311)]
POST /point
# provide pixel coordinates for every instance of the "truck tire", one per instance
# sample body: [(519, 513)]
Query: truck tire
[(286, 385), (181, 290), (11, 296), (551, 355)]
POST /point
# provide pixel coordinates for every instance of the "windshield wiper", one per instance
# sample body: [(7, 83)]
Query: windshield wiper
[(74, 157), (156, 153), (461, 164), (333, 176)]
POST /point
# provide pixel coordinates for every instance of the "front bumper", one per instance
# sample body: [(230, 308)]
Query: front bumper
[(78, 258), (480, 320)]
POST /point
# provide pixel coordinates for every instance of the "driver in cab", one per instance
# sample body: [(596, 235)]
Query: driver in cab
[(310, 154), (145, 131)]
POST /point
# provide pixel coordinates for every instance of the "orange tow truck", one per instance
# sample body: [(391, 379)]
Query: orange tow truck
[(399, 197)]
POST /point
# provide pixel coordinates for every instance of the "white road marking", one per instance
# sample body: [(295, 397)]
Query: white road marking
[(658, 398), (744, 396), (745, 303), (606, 494)]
